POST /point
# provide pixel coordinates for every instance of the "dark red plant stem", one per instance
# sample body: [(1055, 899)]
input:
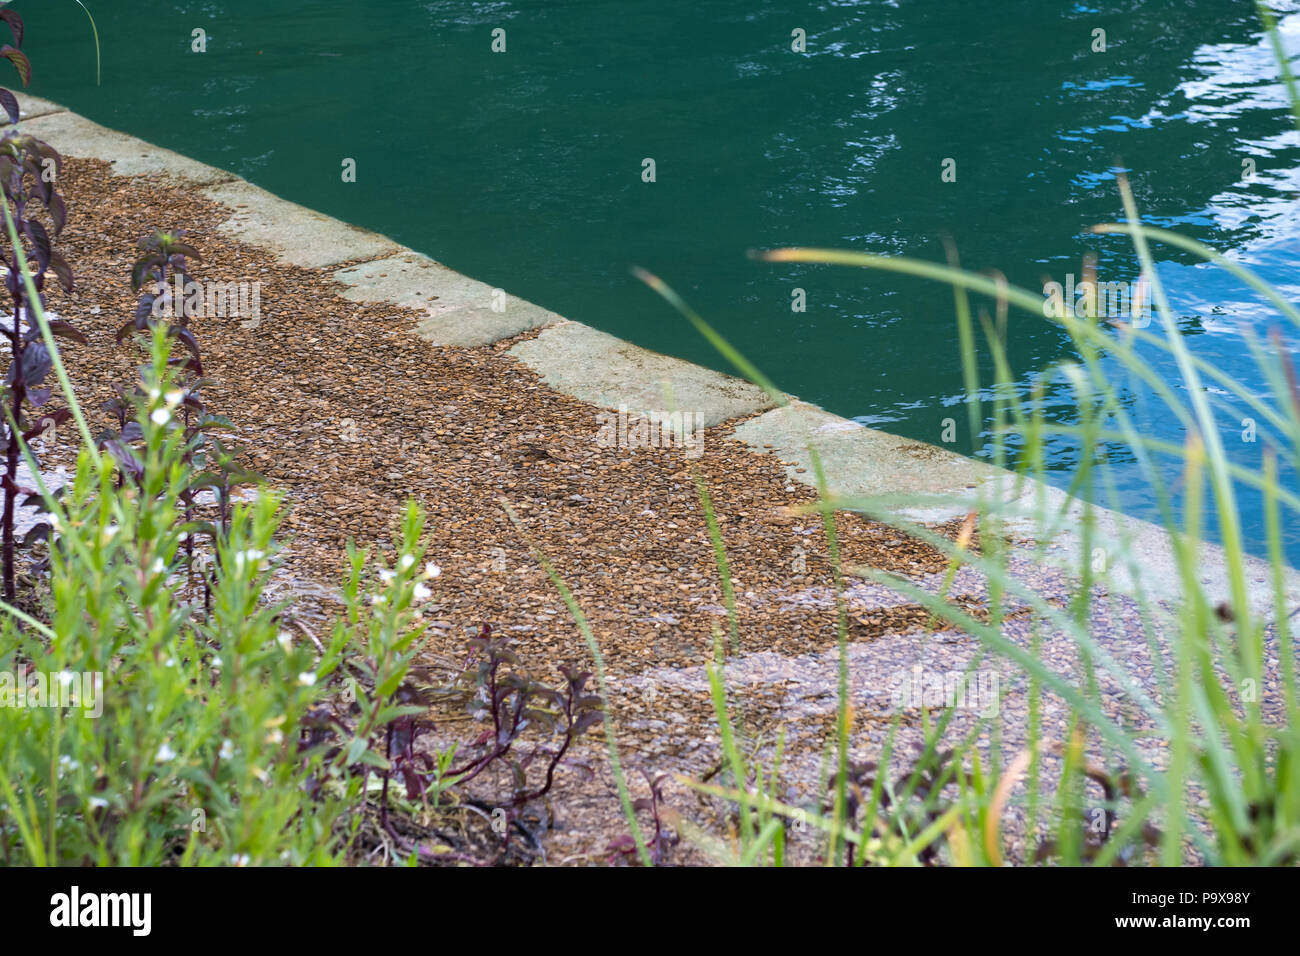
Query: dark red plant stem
[(11, 452), (555, 758), (479, 763)]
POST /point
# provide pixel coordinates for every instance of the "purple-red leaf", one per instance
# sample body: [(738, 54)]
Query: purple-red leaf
[(585, 721), (19, 59), (10, 104), (58, 212), (15, 22), (45, 422), (125, 457), (62, 271), (41, 240), (58, 327)]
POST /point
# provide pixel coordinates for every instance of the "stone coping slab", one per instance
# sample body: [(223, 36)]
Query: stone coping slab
[(458, 310), (295, 234), (860, 462), (597, 367), (74, 135)]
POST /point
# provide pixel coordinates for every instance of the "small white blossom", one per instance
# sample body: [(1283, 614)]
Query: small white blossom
[(165, 753), (227, 749), (241, 859), (285, 641), (160, 416), (98, 802), (387, 576), (407, 561), (251, 556), (422, 592), (307, 678), (431, 570)]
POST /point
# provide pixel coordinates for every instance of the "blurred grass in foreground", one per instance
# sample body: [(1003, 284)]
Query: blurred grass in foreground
[(1228, 792)]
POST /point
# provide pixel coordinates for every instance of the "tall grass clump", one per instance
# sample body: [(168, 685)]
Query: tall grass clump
[(1209, 777)]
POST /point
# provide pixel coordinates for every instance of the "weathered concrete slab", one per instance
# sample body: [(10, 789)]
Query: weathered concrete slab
[(74, 135), (294, 234), (30, 107), (458, 310), (860, 462), (590, 365)]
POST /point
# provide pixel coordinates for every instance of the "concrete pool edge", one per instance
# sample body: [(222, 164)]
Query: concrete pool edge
[(579, 361)]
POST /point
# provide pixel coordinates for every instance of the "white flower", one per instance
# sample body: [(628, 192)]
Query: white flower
[(174, 397), (285, 641), (241, 859), (67, 763), (160, 416), (275, 737), (227, 749), (98, 802), (165, 753), (66, 677), (158, 566), (407, 561), (307, 678), (251, 556), (376, 599), (109, 533), (431, 570), (422, 592), (170, 662), (387, 576)]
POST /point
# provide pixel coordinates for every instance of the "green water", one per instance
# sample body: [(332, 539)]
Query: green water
[(524, 168)]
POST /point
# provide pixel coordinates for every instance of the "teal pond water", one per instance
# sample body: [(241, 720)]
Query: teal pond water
[(524, 168)]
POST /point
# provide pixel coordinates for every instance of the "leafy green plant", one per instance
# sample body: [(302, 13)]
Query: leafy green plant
[(186, 750)]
